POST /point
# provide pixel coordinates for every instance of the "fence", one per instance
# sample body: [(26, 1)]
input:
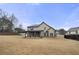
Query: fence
[(8, 33), (75, 37)]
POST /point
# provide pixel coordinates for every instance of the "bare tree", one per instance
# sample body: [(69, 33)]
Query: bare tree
[(7, 22)]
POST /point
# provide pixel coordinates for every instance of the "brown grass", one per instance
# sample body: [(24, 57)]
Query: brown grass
[(17, 45)]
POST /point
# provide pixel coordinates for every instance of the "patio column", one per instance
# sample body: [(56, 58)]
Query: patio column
[(35, 34)]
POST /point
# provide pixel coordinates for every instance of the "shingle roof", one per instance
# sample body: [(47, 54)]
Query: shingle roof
[(36, 25), (73, 29)]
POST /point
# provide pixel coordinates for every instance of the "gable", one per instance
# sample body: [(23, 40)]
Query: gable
[(51, 30), (42, 26)]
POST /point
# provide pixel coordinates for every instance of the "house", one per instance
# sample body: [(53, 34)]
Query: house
[(40, 30), (73, 31)]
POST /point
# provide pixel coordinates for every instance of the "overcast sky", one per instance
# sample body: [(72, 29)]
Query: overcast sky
[(56, 15)]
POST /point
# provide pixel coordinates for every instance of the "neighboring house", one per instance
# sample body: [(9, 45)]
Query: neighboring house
[(72, 31), (40, 30), (61, 32), (4, 27)]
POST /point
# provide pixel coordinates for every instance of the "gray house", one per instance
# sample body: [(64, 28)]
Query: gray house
[(72, 31), (40, 30)]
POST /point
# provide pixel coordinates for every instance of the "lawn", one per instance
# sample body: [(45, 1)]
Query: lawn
[(17, 45)]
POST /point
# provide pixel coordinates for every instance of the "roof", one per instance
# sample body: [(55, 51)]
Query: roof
[(73, 29), (34, 31), (37, 25)]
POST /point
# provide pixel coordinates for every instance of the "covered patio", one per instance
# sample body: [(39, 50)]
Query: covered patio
[(33, 33)]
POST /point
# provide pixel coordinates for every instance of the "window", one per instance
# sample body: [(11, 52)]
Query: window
[(51, 34), (44, 28), (31, 28)]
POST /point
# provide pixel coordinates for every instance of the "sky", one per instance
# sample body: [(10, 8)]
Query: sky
[(57, 15)]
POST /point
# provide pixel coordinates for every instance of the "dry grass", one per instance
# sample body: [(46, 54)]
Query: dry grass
[(17, 45)]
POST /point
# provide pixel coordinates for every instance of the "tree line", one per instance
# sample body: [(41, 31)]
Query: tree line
[(8, 22)]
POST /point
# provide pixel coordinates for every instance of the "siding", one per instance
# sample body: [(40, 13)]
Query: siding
[(73, 32), (42, 34), (41, 27), (51, 31), (78, 31)]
